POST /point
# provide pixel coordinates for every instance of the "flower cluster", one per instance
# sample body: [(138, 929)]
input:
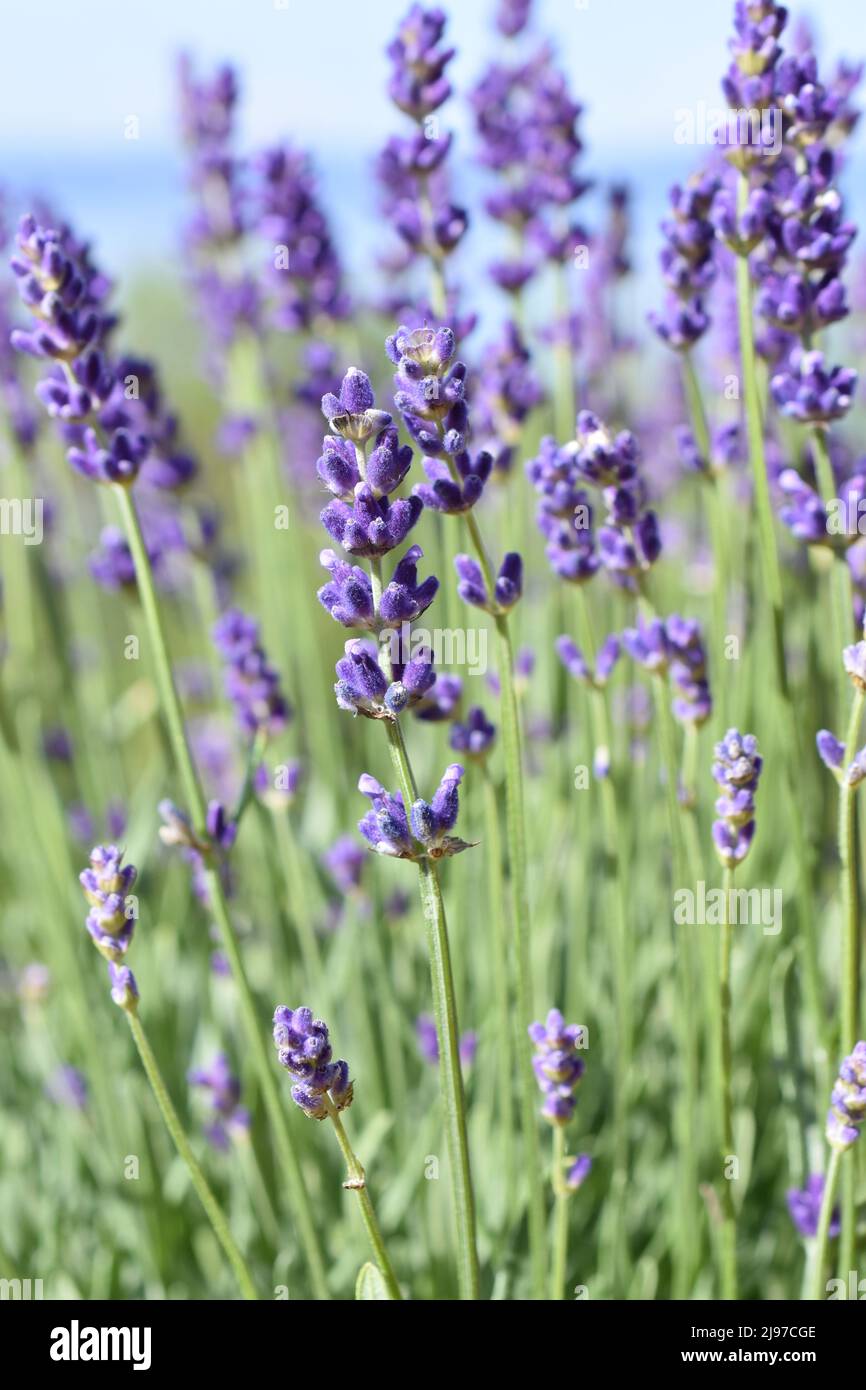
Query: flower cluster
[(230, 1118), (220, 218), (361, 518), (673, 647), (507, 390), (111, 919), (430, 394), (848, 1100), (558, 1065), (736, 769), (412, 168), (578, 667), (304, 270), (526, 121), (424, 832), (251, 683), (304, 1049), (363, 688), (687, 262), (628, 542), (348, 596)]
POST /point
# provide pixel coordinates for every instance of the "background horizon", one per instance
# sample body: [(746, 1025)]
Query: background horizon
[(128, 196)]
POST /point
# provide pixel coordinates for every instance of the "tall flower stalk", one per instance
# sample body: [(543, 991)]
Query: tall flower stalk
[(558, 1067), (111, 924), (430, 395), (848, 766), (846, 1115), (323, 1090), (366, 523), (736, 769)]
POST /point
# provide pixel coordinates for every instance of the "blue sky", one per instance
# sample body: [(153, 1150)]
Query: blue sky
[(315, 71)]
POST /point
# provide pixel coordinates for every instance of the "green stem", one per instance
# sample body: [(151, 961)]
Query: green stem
[(516, 839), (850, 983), (716, 509), (501, 944), (617, 896), (560, 1217), (250, 1011), (821, 1239), (357, 1182), (444, 1009), (772, 576), (728, 1235), (181, 1143)]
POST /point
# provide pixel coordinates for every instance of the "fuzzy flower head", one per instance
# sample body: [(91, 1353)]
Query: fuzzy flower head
[(304, 1049), (848, 1101), (106, 884), (558, 1065), (736, 769)]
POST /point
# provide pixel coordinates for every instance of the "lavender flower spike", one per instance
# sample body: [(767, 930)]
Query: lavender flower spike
[(557, 1065), (304, 1049), (106, 884), (848, 1101), (737, 769), (251, 683)]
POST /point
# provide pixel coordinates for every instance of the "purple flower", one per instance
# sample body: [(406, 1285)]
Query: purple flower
[(371, 526), (67, 1086), (124, 990), (345, 862), (848, 1101), (475, 738), (352, 414), (418, 84), (428, 1042), (304, 1049), (736, 769), (578, 1172), (808, 391), (687, 262), (507, 589), (424, 834), (106, 884), (230, 1118), (385, 827), (805, 1207), (251, 683), (558, 1065), (305, 281), (576, 664)]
